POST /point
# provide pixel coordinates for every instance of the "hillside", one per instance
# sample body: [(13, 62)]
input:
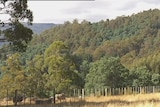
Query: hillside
[(93, 55), (129, 37), (38, 28)]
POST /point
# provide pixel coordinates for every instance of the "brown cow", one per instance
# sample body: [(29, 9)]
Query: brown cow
[(60, 97)]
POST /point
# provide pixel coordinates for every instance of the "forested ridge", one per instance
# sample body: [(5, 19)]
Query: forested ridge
[(128, 37), (90, 55)]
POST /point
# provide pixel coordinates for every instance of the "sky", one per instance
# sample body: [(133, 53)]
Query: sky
[(58, 12)]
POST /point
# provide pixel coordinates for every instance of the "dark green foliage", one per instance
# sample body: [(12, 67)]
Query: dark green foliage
[(142, 77), (19, 36), (107, 72), (156, 79)]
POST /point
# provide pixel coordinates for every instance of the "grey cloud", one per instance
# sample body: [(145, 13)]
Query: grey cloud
[(128, 5), (98, 17), (75, 11), (133, 4), (86, 7), (152, 1)]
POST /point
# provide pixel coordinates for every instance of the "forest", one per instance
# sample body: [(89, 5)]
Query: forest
[(111, 53)]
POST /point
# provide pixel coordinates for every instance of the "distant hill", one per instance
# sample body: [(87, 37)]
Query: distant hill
[(38, 28)]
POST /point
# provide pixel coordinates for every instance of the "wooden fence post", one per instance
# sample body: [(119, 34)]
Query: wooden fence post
[(110, 91), (83, 94), (125, 91), (106, 92), (140, 88)]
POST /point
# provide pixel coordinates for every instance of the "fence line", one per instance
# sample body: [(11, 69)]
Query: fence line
[(116, 91)]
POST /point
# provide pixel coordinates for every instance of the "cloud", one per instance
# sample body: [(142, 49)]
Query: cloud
[(61, 11), (156, 2), (86, 7), (97, 17), (91, 11), (140, 4), (128, 5)]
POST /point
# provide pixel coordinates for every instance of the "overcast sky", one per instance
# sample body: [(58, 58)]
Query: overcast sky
[(55, 11)]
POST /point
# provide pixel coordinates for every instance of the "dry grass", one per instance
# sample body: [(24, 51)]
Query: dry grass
[(140, 100), (129, 98)]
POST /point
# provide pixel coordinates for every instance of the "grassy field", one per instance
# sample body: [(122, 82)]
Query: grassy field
[(140, 100)]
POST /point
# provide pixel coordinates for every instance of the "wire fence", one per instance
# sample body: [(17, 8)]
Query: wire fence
[(73, 95)]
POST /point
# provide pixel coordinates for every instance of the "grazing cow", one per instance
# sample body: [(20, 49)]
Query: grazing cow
[(60, 97)]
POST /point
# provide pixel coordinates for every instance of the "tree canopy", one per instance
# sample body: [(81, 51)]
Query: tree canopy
[(61, 68), (106, 72), (13, 31), (13, 75)]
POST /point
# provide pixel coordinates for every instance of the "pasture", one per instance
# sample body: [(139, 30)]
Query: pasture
[(138, 100)]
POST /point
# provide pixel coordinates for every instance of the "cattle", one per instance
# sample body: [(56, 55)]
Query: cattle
[(60, 97)]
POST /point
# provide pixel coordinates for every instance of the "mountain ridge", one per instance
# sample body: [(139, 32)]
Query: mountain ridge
[(37, 28)]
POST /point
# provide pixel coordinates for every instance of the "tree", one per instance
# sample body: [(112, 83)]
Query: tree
[(35, 83), (14, 31), (156, 79), (16, 10), (62, 73), (19, 36), (106, 72), (84, 69), (142, 77), (13, 75)]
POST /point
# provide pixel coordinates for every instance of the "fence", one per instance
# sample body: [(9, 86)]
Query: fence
[(82, 93), (116, 91)]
